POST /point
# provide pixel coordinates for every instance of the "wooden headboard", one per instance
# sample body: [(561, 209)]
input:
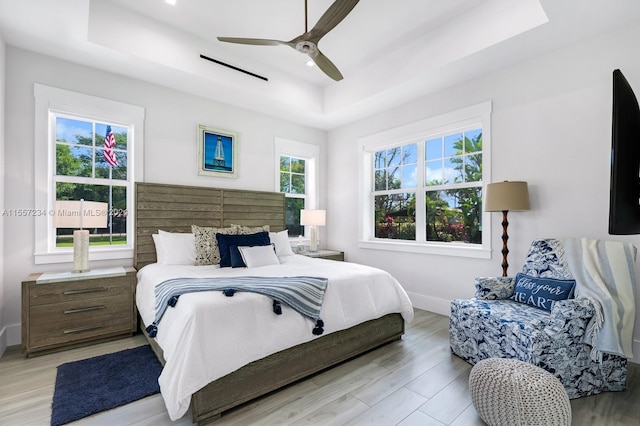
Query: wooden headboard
[(175, 208)]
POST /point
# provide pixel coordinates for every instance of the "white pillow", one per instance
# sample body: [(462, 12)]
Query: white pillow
[(281, 241), (175, 248), (159, 248), (258, 256)]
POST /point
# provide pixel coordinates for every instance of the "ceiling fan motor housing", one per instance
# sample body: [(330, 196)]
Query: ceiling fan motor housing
[(306, 47)]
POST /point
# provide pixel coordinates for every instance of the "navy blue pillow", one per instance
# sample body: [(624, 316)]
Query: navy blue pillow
[(542, 292), (236, 257), (226, 242)]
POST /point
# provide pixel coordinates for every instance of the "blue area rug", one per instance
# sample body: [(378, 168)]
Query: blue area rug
[(104, 382)]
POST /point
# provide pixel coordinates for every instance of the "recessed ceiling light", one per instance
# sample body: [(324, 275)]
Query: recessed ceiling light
[(171, 2)]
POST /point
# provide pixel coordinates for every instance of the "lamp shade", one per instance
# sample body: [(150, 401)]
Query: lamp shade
[(80, 214), (506, 196), (312, 217)]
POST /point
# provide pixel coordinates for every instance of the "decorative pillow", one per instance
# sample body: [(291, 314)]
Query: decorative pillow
[(225, 242), (246, 230), (159, 248), (281, 242), (252, 257), (206, 244), (542, 292), (175, 248), (236, 257)]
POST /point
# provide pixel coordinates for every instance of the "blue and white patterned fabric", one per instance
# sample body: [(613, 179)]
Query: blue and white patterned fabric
[(492, 326)]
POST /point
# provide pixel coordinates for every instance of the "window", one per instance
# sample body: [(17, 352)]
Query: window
[(423, 192), (71, 129), (292, 182), (297, 178), (453, 181), (85, 171), (395, 171)]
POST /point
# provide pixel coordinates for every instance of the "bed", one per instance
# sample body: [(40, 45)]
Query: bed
[(363, 309)]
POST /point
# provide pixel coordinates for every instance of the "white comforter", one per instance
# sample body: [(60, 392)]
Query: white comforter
[(208, 335)]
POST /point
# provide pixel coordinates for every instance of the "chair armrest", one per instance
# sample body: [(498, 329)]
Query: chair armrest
[(569, 316), (580, 307), (494, 288)]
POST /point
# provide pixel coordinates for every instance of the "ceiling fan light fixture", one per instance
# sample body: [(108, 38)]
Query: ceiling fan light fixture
[(171, 2), (310, 63)]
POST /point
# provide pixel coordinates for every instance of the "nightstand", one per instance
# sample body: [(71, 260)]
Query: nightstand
[(325, 254), (64, 310)]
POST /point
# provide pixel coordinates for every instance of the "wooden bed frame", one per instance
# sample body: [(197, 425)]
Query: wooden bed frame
[(175, 208)]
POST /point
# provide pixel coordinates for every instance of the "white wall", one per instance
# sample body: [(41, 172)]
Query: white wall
[(3, 329), (551, 126), (170, 148)]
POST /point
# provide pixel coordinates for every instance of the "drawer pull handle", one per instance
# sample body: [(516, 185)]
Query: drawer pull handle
[(85, 290), (85, 328), (88, 308)]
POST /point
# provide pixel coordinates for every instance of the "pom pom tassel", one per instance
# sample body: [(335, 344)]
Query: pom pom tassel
[(318, 330), (277, 308), (172, 302), (152, 330), (229, 292)]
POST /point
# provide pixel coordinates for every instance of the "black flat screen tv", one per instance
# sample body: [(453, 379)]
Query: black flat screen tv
[(624, 205)]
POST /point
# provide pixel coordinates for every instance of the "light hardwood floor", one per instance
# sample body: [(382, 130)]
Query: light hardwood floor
[(416, 381)]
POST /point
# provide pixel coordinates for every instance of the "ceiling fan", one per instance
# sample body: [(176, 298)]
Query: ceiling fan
[(307, 43)]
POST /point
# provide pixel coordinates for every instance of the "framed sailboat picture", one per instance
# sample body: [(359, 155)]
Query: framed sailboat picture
[(217, 152)]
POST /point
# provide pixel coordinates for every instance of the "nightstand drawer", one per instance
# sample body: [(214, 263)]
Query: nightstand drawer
[(47, 293), (80, 309), (73, 330)]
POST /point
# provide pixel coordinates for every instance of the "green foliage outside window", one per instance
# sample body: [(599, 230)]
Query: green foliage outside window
[(453, 196)]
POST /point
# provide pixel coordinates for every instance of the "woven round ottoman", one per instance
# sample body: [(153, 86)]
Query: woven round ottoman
[(512, 392)]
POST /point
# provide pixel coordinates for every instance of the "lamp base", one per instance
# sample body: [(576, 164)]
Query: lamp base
[(505, 238), (80, 251), (313, 244)]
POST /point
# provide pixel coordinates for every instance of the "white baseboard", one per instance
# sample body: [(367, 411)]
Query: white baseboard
[(431, 304), (3, 341), (10, 335)]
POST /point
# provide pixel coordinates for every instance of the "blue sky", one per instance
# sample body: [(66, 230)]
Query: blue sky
[(67, 129)]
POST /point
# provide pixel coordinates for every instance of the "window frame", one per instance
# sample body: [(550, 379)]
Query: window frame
[(310, 153), (420, 131), (50, 101)]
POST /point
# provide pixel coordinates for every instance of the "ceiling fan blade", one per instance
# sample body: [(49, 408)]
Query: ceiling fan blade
[(332, 17), (325, 65), (252, 41)]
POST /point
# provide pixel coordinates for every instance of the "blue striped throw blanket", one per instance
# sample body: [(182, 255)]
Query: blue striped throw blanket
[(303, 294), (604, 271)]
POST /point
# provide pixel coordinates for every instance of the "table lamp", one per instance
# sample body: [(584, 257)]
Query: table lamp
[(313, 219), (80, 214), (505, 196)]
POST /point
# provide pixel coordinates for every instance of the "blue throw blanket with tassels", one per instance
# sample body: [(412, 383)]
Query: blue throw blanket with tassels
[(303, 294)]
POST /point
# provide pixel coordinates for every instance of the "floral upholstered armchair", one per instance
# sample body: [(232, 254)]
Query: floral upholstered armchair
[(534, 317)]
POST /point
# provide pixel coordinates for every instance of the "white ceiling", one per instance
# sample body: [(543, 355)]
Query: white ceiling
[(388, 51)]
